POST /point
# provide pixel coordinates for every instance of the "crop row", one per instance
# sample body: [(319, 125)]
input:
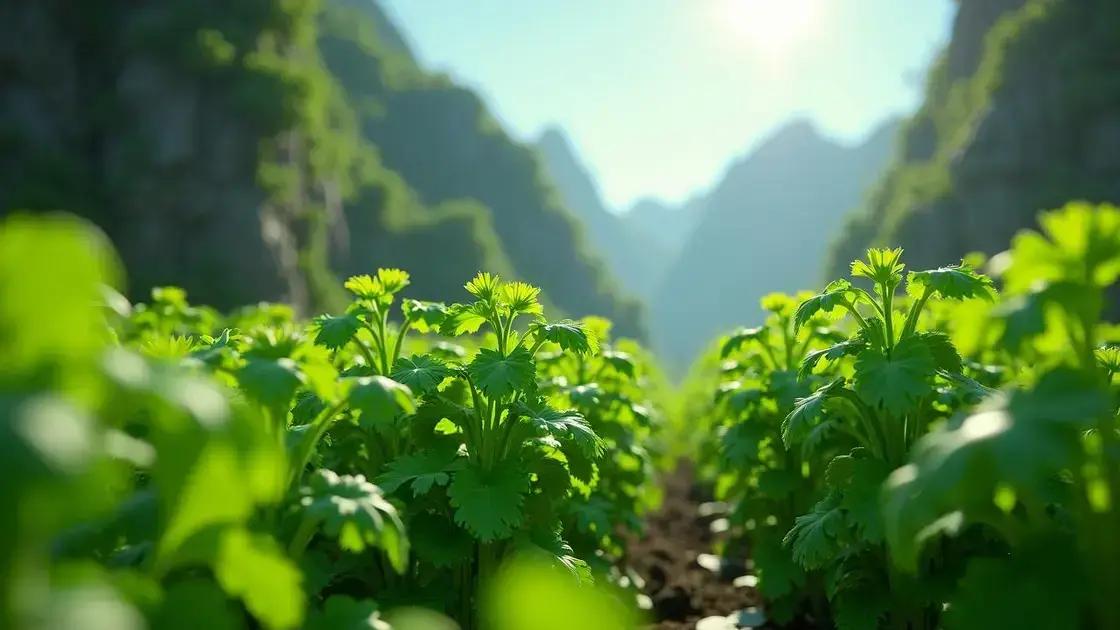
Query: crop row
[(170, 466), (934, 448)]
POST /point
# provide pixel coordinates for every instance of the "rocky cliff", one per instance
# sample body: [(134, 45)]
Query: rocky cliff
[(1022, 113), (258, 150)]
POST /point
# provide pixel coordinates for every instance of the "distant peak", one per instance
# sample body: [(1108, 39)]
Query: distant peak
[(554, 136), (798, 131)]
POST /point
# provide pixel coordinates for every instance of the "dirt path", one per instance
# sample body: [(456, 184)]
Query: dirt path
[(684, 592)]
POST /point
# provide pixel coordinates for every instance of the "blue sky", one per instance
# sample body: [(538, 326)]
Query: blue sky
[(659, 96)]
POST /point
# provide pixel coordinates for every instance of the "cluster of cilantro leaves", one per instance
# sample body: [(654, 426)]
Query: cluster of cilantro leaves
[(897, 459)]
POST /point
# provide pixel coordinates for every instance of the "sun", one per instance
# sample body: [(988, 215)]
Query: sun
[(771, 27)]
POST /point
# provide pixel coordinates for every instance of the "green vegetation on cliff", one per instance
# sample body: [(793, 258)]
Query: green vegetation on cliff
[(293, 142), (1021, 113)]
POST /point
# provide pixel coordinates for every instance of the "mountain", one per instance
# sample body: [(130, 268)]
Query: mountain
[(261, 153), (765, 227), (667, 225), (1021, 113), (636, 260), (445, 145)]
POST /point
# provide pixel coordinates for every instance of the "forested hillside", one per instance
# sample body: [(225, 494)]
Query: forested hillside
[(292, 142), (1020, 114), (637, 260)]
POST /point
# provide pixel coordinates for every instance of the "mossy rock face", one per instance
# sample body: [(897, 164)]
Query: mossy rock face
[(256, 150), (1022, 113)]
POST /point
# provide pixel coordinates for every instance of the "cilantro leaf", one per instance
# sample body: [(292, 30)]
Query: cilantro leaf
[(425, 316), (484, 286), (895, 383), (738, 338), (859, 480), (566, 426), (817, 537), (462, 319), (421, 373), (488, 503), (883, 266), (835, 295), (806, 412), (420, 470), (342, 612), (521, 297), (353, 511), (957, 282), (568, 334), (851, 347), (498, 376), (380, 399), (271, 382), (335, 331)]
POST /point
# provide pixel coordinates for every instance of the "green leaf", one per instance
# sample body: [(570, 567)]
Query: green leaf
[(488, 503), (883, 266), (380, 399), (1039, 586), (851, 347), (335, 331), (484, 286), (354, 512), (521, 297), (530, 592), (185, 601), (898, 382), (271, 382), (364, 286), (569, 427), (421, 373), (341, 612), (254, 569), (817, 537), (837, 294), (1078, 243), (957, 282), (778, 573), (1108, 357), (425, 316), (568, 334), (740, 443), (462, 319), (420, 470), (738, 338), (807, 411), (439, 541), (499, 376), (51, 272), (959, 469), (392, 280), (858, 478), (945, 355), (620, 362)]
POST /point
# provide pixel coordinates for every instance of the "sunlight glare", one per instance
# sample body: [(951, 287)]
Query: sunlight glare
[(772, 27)]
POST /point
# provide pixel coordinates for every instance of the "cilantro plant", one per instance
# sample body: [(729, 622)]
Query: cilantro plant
[(610, 390), (1036, 466), (769, 484)]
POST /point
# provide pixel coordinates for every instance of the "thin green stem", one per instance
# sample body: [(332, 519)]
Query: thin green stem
[(405, 327), (888, 315), (915, 313), (319, 427)]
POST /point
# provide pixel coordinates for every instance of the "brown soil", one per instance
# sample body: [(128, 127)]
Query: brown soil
[(682, 591)]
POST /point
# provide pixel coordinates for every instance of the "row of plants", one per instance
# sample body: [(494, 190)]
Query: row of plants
[(936, 448), (170, 466)]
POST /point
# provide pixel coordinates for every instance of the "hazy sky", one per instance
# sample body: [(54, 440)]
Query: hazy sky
[(659, 95)]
